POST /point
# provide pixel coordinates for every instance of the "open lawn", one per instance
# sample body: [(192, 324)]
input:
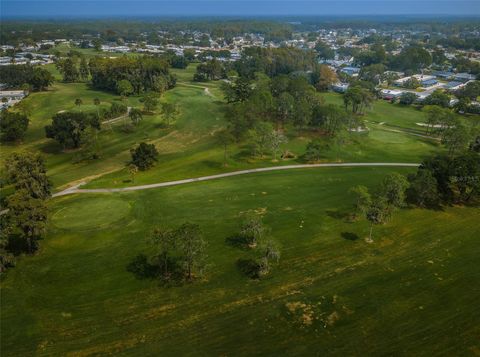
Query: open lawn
[(392, 116), (414, 291)]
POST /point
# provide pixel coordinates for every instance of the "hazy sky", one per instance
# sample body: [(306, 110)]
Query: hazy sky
[(115, 8)]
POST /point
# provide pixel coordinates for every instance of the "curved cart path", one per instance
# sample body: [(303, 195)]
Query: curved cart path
[(77, 189)]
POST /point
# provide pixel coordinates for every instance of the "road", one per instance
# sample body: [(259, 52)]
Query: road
[(77, 189)]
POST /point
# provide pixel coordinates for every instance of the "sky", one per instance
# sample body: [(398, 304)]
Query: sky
[(158, 8)]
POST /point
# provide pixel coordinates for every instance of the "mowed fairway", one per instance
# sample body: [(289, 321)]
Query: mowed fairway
[(414, 291)]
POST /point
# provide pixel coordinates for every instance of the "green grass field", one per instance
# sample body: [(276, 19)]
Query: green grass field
[(414, 291)]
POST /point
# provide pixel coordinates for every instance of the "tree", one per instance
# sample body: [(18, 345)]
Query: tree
[(412, 83), (270, 251), (315, 150), (408, 98), (456, 138), (97, 44), (323, 77), (456, 176), (363, 199), (67, 128), (224, 137), (276, 139), (324, 51), (144, 74), (124, 88), (170, 112), (284, 109), (7, 259), (26, 171), (16, 75), (437, 116), (68, 68), (135, 115), (78, 102), (28, 216), (165, 242), (252, 230), (260, 138), (373, 73), (393, 188), (144, 156), (423, 188), (13, 126), (84, 71), (193, 248), (358, 98), (238, 91), (438, 98), (150, 103), (462, 105), (377, 213)]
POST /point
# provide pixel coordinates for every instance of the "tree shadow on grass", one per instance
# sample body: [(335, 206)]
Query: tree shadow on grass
[(212, 164), (341, 215), (142, 269), (238, 241), (349, 236)]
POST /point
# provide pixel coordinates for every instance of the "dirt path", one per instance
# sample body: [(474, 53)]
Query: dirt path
[(117, 118), (77, 189)]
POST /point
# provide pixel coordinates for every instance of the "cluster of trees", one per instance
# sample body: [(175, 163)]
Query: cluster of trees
[(446, 179), (282, 100), (13, 126), (127, 76), (210, 71), (377, 208), (274, 61), (73, 68), (357, 99), (26, 77), (453, 131), (440, 180), (24, 222), (254, 236), (179, 255)]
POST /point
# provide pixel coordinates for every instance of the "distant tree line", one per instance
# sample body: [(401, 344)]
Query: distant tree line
[(34, 77), (131, 75)]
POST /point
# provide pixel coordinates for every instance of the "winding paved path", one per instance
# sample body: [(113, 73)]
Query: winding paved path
[(77, 189)]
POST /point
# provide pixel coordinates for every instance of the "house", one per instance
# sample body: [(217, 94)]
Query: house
[(464, 77), (454, 85), (444, 75), (351, 71), (428, 83), (340, 87), (389, 94), (12, 94), (10, 97), (419, 77)]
